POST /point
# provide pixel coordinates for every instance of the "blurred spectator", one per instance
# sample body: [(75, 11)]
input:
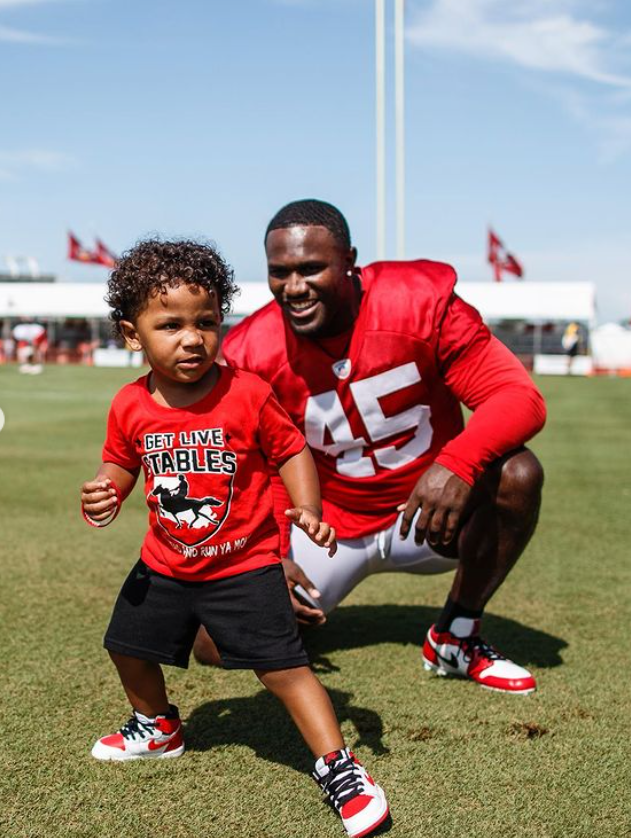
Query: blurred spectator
[(32, 342), (571, 343)]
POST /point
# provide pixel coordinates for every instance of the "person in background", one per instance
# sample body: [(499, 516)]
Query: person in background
[(32, 342), (571, 343)]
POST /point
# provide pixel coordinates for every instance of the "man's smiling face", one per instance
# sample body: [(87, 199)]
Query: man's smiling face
[(308, 274)]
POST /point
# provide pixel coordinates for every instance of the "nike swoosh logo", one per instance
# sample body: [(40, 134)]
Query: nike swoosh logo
[(156, 746), (450, 661)]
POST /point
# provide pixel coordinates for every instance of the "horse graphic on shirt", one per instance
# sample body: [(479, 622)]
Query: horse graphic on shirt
[(176, 502)]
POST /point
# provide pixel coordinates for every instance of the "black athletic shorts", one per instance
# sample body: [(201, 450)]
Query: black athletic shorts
[(249, 616)]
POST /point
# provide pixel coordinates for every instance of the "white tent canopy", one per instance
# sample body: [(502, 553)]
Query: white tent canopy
[(52, 299), (534, 301), (611, 346), (77, 299)]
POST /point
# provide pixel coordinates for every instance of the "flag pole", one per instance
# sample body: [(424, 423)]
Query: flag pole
[(380, 126), (399, 102)]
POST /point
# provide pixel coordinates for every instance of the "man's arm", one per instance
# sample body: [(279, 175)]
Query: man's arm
[(507, 411)]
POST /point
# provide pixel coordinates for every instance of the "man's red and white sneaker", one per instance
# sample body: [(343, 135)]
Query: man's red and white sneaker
[(143, 738), (461, 651), (359, 801)]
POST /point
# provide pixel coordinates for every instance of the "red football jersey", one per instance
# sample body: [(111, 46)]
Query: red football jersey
[(206, 473), (378, 408)]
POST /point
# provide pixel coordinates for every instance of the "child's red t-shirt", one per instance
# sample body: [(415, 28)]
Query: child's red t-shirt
[(206, 473)]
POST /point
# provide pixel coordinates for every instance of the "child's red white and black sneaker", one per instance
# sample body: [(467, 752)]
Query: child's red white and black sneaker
[(143, 738), (359, 801), (461, 651)]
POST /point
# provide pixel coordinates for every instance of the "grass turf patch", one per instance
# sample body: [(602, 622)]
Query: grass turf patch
[(454, 759)]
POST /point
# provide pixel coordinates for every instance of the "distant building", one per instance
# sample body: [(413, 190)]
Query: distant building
[(529, 317), (20, 277)]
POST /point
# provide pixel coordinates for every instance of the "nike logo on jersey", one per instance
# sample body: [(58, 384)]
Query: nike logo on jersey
[(342, 369)]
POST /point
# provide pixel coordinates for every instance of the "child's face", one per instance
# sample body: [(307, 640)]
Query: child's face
[(179, 333)]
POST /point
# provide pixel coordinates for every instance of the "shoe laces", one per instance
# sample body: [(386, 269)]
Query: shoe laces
[(343, 782), (476, 646), (135, 728)]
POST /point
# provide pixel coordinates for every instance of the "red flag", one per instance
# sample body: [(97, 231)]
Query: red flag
[(103, 255), (501, 259), (78, 253)]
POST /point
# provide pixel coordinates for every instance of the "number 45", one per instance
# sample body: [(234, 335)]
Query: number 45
[(325, 412)]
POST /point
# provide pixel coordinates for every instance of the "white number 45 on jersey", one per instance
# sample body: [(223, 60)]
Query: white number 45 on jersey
[(325, 411)]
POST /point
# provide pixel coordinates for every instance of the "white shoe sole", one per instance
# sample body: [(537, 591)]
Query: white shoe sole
[(444, 673), (106, 754)]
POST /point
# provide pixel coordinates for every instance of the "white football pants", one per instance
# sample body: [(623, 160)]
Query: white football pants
[(358, 558)]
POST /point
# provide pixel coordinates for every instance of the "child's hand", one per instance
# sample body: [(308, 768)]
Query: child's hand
[(99, 499), (309, 519)]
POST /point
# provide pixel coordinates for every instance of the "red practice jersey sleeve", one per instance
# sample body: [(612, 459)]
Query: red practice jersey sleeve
[(485, 376)]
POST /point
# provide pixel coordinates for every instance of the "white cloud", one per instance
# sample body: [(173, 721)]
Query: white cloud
[(556, 40), (604, 116), (18, 4), (13, 163), (12, 4), (545, 35), (20, 36)]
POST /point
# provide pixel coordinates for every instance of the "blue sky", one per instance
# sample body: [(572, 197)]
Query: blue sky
[(203, 117)]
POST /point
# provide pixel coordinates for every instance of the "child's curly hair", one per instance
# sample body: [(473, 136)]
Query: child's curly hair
[(154, 265)]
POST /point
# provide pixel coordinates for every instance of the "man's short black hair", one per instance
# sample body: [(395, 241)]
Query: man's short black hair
[(310, 212)]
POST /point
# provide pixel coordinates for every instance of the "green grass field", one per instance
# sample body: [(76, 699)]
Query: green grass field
[(456, 761)]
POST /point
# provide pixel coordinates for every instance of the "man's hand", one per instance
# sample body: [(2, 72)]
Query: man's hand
[(309, 519), (442, 496), (305, 614), (99, 499)]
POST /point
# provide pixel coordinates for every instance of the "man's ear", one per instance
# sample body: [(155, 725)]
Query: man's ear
[(351, 258), (131, 335)]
